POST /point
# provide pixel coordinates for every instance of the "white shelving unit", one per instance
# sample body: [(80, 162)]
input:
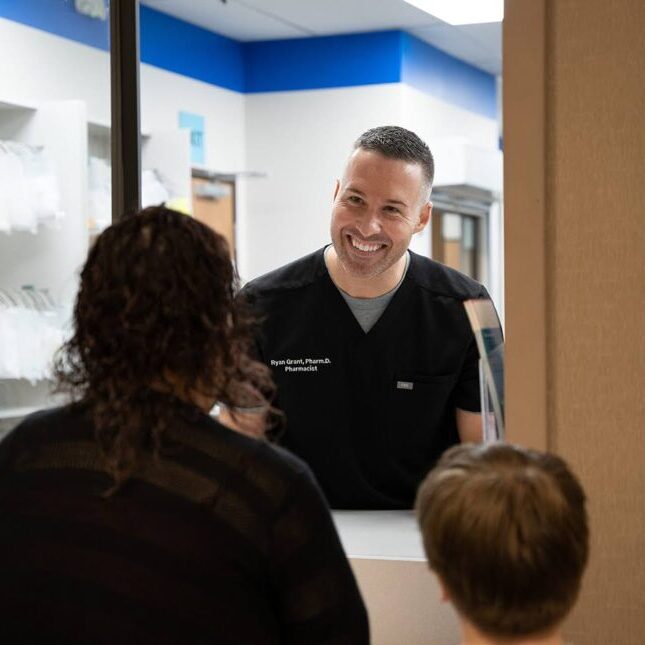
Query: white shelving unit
[(51, 258), (165, 152), (168, 153)]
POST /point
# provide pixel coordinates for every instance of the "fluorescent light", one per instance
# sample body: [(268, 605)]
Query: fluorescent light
[(462, 12)]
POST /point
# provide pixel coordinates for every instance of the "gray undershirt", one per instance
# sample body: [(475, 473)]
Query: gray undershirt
[(367, 311)]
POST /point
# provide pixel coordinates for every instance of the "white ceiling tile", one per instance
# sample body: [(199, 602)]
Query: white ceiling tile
[(467, 45), (488, 35), (490, 65), (324, 17), (232, 19), (247, 20), (451, 40)]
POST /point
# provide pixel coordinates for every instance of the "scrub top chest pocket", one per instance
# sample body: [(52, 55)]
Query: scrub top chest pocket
[(417, 406)]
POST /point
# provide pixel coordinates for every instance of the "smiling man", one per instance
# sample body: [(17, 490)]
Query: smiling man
[(369, 343)]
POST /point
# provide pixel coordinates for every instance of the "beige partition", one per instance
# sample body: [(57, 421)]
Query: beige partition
[(404, 603), (402, 596), (574, 106)]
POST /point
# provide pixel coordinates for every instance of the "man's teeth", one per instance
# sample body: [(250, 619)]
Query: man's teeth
[(364, 246)]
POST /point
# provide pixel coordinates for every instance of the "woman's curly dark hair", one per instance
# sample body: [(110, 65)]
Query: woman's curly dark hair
[(157, 311)]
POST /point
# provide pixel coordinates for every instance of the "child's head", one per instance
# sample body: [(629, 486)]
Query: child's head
[(505, 529)]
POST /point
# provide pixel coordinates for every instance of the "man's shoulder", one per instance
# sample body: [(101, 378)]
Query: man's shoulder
[(289, 277), (441, 280)]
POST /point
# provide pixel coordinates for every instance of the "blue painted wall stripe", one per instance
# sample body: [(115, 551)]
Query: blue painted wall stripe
[(60, 18), (166, 42), (185, 49), (323, 62), (278, 65), (433, 71)]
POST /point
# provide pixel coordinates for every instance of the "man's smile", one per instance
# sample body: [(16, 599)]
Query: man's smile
[(364, 247)]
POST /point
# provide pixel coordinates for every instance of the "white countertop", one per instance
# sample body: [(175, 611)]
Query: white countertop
[(379, 535)]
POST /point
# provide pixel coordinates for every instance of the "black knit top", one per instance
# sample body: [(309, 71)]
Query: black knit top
[(223, 539)]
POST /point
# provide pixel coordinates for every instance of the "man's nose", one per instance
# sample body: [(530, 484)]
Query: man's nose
[(369, 223)]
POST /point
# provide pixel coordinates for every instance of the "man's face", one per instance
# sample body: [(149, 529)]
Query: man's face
[(378, 205)]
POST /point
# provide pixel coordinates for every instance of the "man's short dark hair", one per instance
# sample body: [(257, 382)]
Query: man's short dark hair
[(505, 529), (398, 143)]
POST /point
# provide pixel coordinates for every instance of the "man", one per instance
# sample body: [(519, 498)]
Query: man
[(370, 347), (505, 531)]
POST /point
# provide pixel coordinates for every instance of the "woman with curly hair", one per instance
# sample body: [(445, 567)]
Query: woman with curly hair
[(131, 515)]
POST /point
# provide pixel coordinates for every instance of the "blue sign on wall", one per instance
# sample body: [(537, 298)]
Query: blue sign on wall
[(195, 123)]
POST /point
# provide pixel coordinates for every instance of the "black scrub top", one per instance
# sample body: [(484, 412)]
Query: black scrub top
[(369, 412)]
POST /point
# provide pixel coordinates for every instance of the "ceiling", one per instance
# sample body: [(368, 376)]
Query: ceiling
[(246, 20)]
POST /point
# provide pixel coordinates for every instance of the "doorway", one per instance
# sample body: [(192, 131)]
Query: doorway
[(214, 205)]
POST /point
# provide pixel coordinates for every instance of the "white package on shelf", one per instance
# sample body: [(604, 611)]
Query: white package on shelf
[(43, 188), (14, 192), (29, 338), (100, 193), (153, 191), (10, 363), (29, 193)]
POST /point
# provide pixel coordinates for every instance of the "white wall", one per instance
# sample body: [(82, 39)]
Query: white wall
[(432, 118), (36, 65), (452, 128), (299, 139), (302, 140), (164, 94)]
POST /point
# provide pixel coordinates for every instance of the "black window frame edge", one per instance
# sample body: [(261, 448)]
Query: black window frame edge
[(125, 107)]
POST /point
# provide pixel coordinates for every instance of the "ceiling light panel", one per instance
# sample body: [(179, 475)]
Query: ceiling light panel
[(462, 12)]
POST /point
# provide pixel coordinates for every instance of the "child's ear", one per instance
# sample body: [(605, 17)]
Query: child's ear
[(443, 591)]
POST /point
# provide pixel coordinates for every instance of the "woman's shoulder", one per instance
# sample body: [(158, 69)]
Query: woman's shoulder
[(49, 422), (258, 468)]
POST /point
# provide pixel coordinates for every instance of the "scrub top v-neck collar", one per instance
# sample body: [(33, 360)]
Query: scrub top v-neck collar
[(339, 311)]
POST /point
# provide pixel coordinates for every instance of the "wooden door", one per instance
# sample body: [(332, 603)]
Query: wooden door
[(214, 205)]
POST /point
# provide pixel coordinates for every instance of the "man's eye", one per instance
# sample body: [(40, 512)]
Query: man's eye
[(354, 199), (392, 210)]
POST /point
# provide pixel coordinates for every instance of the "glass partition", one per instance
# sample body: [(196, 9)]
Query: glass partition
[(246, 123), (249, 120)]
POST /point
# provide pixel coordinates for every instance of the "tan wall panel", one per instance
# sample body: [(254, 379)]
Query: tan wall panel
[(524, 208), (594, 269), (596, 260)]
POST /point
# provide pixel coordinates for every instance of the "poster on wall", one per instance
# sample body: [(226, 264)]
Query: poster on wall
[(194, 123)]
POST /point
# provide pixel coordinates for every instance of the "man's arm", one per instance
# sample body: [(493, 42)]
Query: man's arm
[(251, 423), (469, 426)]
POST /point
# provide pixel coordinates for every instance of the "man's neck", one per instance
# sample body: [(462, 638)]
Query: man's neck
[(472, 636), (369, 287)]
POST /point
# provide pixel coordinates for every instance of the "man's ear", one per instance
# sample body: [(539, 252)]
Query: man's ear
[(336, 189), (424, 217)]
